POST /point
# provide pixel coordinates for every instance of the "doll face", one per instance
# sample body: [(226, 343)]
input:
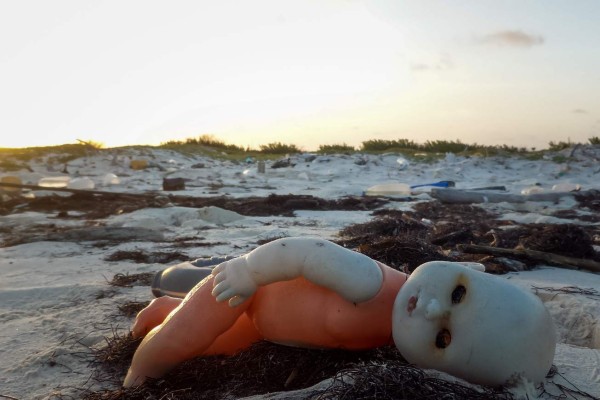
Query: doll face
[(476, 326)]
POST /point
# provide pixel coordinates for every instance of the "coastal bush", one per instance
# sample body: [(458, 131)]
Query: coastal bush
[(594, 140), (335, 148), (557, 146), (279, 148), (383, 145), (204, 140)]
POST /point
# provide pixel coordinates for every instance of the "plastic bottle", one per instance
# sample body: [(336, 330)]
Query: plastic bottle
[(389, 189), (54, 181), (83, 183), (566, 187), (178, 280)]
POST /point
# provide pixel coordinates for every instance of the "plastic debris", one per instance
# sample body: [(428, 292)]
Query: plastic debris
[(389, 189), (402, 162), (54, 181), (566, 187), (138, 164), (110, 179), (13, 180), (173, 184), (83, 183), (532, 190)]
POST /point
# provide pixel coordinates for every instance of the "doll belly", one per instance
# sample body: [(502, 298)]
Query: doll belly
[(299, 313)]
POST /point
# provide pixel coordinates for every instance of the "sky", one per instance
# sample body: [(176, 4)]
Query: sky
[(309, 73)]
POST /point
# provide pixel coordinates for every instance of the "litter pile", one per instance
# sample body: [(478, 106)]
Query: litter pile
[(129, 213)]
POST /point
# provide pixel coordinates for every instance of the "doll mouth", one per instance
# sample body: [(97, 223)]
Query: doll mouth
[(412, 304)]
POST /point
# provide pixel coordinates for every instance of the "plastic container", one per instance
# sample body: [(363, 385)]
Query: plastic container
[(110, 179), (83, 183), (54, 181), (178, 280), (389, 190), (532, 190), (566, 187)]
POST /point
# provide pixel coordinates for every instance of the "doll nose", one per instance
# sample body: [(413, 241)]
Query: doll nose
[(434, 310)]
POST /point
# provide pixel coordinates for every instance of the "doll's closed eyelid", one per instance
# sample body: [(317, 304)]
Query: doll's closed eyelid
[(458, 294)]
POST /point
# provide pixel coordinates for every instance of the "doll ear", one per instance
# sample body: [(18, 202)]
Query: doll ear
[(473, 265)]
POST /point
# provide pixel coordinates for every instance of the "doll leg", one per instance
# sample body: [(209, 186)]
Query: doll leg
[(153, 315), (187, 332)]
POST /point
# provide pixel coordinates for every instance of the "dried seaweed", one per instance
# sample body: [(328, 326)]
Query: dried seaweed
[(393, 381), (138, 256), (130, 280), (132, 308)]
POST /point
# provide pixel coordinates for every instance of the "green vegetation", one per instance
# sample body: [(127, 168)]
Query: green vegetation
[(336, 149), (279, 148), (439, 147), (557, 146), (208, 145), (59, 154), (204, 140)]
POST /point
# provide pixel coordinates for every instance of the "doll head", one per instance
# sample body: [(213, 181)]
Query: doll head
[(455, 318)]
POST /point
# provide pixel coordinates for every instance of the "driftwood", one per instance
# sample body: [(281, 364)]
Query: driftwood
[(467, 197), (551, 258)]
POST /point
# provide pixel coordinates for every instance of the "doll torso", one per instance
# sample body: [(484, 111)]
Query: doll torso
[(300, 313)]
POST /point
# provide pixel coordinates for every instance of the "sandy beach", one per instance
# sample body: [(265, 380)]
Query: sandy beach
[(59, 252)]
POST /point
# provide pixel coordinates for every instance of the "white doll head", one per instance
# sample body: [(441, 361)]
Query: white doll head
[(454, 318)]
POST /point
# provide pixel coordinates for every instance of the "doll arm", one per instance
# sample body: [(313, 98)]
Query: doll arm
[(352, 275)]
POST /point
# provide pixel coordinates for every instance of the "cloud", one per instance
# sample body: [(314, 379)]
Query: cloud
[(512, 38), (579, 111), (444, 63)]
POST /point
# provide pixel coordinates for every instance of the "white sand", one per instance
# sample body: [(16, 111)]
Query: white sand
[(55, 301)]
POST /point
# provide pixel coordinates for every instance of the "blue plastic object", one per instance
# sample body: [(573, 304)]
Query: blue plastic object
[(442, 184)]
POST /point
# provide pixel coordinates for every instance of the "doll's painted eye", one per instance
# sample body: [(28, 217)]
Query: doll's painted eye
[(443, 339), (458, 293)]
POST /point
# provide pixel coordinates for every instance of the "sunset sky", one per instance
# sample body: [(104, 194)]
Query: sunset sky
[(305, 72)]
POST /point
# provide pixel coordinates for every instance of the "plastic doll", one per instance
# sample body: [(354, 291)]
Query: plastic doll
[(313, 293)]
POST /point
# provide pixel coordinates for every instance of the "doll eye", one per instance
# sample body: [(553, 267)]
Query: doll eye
[(458, 293), (443, 339)]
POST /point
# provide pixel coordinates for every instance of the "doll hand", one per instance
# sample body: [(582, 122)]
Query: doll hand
[(233, 282)]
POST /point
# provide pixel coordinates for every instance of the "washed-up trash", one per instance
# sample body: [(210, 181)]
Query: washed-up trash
[(468, 197), (443, 184), (83, 183), (286, 162), (218, 215), (178, 280), (532, 190), (402, 162), (566, 187), (110, 179), (138, 164), (389, 190), (172, 184), (54, 181), (402, 189), (15, 180), (261, 167), (501, 188)]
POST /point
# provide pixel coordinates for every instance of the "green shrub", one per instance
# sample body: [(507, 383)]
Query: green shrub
[(594, 140), (279, 148), (335, 148), (204, 140), (557, 146), (445, 146), (383, 145)]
